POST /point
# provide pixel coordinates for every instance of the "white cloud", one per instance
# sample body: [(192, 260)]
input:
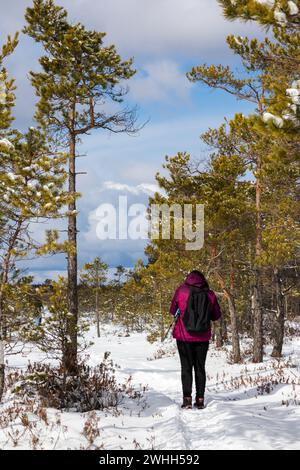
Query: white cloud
[(162, 36), (143, 28), (143, 188), (116, 251), (140, 171), (158, 26), (160, 81), (112, 251)]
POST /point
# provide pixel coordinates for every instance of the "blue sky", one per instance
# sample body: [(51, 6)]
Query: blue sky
[(166, 38)]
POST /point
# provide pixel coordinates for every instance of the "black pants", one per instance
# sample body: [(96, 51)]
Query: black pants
[(193, 355)]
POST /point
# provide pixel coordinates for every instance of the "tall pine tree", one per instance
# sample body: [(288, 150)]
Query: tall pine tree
[(79, 77)]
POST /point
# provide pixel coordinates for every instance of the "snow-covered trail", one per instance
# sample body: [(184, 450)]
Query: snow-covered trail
[(231, 419), (234, 418)]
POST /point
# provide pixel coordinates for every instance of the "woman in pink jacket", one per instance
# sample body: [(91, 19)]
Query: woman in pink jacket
[(193, 344)]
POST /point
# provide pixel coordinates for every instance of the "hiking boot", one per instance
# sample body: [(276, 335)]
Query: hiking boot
[(187, 402), (199, 403)]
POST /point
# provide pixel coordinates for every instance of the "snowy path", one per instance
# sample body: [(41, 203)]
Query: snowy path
[(234, 418)]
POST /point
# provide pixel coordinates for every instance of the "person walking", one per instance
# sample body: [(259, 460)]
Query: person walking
[(195, 305)]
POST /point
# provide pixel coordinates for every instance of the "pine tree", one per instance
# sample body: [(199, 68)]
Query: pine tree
[(279, 59), (79, 77), (261, 86), (93, 275), (281, 233), (280, 14), (228, 203), (31, 189), (251, 88), (52, 336)]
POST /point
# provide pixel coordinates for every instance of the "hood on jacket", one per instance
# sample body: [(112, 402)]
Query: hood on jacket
[(196, 279)]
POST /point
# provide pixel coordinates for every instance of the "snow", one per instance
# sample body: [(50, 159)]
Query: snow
[(293, 108), (236, 415), (296, 84), (6, 144), (294, 10), (277, 121), (296, 100), (33, 184), (267, 3), (2, 93), (238, 40), (293, 92), (280, 16), (11, 176)]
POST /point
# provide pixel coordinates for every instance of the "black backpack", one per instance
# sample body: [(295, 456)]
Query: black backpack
[(197, 315)]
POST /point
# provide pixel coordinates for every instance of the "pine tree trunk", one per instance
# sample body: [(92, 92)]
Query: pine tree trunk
[(218, 336), (2, 335), (2, 356), (257, 320), (235, 337), (257, 294), (97, 313), (278, 327), (224, 330), (220, 332), (162, 323), (2, 343), (4, 281), (228, 293), (70, 355), (236, 352)]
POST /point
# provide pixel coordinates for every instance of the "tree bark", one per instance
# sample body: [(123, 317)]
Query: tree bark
[(236, 352), (218, 336), (278, 327), (70, 355), (2, 331), (256, 293), (235, 337), (224, 331), (4, 281), (257, 320), (228, 294), (162, 323), (97, 313)]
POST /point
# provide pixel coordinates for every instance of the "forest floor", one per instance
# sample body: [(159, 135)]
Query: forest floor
[(248, 406)]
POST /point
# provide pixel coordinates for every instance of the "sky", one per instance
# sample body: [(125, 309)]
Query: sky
[(165, 38)]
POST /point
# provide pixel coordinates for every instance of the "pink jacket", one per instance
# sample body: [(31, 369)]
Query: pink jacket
[(180, 301)]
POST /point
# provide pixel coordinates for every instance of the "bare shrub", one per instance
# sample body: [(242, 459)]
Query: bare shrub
[(93, 388), (91, 430), (163, 351)]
